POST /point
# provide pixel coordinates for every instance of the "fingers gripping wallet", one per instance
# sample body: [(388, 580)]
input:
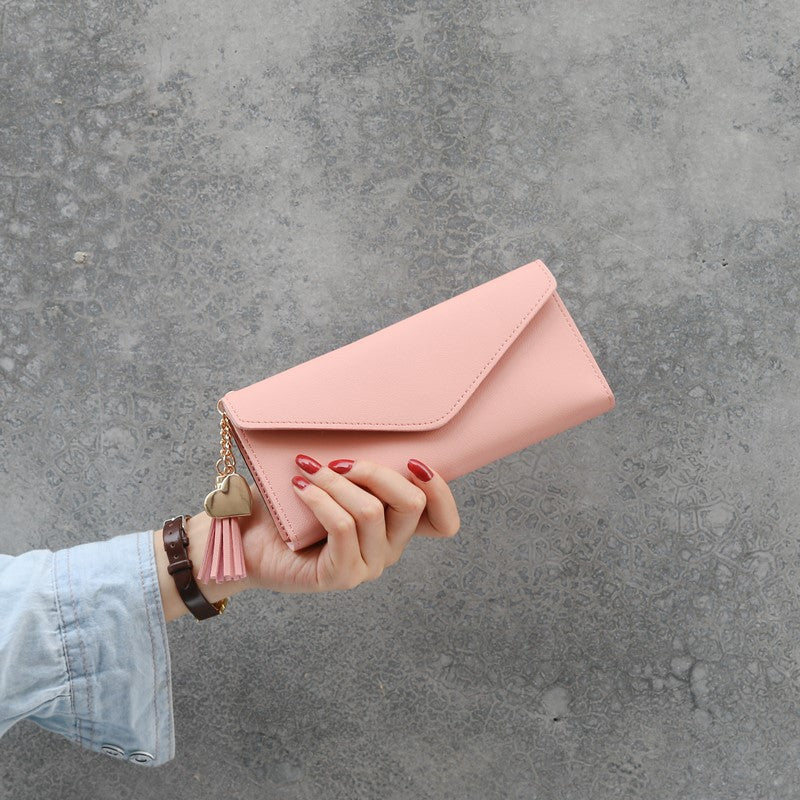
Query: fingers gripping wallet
[(465, 382)]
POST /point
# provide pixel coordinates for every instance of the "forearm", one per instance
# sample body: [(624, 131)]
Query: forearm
[(197, 529)]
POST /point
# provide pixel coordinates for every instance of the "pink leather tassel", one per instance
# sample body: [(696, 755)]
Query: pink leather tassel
[(223, 559)]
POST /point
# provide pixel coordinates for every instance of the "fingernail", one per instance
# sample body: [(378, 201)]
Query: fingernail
[(307, 463), (419, 469), (341, 465), (300, 482)]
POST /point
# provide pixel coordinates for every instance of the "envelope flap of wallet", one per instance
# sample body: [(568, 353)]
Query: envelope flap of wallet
[(414, 374)]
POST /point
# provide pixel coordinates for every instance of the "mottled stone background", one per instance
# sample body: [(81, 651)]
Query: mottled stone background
[(256, 183)]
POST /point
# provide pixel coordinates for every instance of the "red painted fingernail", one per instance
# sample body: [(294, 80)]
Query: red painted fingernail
[(341, 465), (300, 482), (419, 469), (307, 463)]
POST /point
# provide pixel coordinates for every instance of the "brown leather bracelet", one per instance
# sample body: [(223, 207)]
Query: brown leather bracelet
[(180, 567)]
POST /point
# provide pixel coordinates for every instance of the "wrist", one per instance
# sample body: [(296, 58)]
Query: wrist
[(198, 528)]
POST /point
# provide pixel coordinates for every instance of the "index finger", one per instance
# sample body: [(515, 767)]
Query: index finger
[(440, 517)]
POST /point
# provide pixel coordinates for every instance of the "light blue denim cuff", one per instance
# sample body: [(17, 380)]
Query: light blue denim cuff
[(116, 650)]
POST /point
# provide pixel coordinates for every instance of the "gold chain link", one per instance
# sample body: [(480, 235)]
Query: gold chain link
[(226, 463)]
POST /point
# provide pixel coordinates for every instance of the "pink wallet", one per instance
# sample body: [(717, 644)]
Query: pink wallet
[(458, 385)]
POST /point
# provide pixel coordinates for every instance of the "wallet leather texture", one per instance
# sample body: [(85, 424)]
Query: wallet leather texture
[(461, 384)]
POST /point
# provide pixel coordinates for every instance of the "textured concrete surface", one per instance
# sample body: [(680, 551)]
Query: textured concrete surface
[(255, 183)]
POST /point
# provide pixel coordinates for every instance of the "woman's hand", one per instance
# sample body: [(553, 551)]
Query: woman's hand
[(370, 513)]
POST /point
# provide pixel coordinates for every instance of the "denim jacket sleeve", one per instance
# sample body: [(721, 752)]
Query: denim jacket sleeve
[(84, 649)]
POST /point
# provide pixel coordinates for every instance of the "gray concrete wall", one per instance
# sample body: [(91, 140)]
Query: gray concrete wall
[(258, 183)]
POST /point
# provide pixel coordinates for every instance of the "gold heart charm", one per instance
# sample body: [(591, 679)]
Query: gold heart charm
[(231, 498)]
